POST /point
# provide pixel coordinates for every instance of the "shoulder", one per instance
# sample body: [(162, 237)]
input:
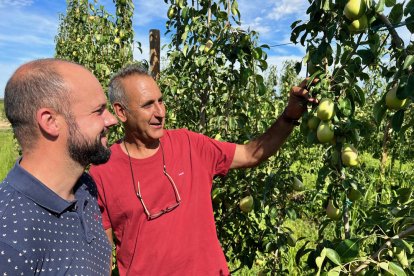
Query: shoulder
[(176, 132), (183, 133), (87, 183), (7, 194)]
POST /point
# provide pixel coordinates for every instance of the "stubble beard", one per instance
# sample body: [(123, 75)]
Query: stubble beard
[(84, 151)]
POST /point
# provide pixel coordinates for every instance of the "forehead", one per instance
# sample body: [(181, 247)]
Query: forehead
[(83, 86), (141, 88)]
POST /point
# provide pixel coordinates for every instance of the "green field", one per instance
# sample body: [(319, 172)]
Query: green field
[(8, 147), (8, 152), (2, 116)]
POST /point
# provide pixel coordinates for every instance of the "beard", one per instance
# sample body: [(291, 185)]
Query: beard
[(85, 151)]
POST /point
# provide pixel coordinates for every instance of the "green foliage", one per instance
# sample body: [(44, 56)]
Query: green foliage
[(345, 63), (87, 33), (100, 41), (216, 82), (8, 152), (8, 148), (217, 92), (2, 114)]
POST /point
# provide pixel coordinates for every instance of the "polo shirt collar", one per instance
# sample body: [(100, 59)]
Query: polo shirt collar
[(32, 188)]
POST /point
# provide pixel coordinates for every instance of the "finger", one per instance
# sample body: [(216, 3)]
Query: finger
[(299, 92), (313, 101), (306, 83)]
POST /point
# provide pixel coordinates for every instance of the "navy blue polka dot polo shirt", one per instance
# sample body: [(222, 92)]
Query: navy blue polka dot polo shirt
[(41, 233)]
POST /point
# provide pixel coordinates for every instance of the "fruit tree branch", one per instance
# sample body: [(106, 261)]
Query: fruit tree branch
[(397, 42), (409, 231)]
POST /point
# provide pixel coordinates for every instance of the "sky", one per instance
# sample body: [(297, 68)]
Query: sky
[(28, 28)]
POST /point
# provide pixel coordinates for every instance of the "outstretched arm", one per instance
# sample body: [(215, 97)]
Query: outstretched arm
[(261, 148)]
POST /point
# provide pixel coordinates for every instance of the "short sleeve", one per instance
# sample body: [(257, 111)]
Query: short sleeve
[(13, 262), (217, 154)]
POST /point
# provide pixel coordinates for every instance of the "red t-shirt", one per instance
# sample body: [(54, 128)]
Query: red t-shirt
[(183, 241)]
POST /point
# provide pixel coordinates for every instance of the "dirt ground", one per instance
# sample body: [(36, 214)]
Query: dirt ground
[(4, 124)]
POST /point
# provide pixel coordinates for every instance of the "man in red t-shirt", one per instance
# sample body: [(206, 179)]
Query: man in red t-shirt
[(155, 191)]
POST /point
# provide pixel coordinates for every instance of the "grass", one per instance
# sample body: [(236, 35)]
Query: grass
[(8, 152), (2, 115)]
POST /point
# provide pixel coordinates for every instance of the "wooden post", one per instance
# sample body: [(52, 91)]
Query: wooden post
[(154, 42)]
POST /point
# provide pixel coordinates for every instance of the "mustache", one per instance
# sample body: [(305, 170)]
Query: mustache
[(104, 133)]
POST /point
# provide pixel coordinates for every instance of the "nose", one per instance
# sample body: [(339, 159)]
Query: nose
[(160, 110), (109, 119)]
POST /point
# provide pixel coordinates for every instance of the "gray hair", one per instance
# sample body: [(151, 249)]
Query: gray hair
[(116, 91), (34, 85)]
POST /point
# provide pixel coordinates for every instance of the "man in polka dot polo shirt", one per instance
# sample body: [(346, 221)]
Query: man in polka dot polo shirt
[(50, 223)]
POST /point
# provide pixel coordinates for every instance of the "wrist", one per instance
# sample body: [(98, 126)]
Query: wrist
[(288, 119)]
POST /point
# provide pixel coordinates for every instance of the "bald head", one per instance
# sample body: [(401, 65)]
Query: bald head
[(34, 85)]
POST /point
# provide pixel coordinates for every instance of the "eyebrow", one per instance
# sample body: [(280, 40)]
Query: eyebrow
[(150, 102), (101, 106)]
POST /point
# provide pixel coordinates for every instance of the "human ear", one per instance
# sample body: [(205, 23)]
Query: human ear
[(48, 121), (120, 112)]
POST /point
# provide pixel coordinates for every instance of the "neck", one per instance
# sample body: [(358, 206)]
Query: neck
[(138, 149), (56, 172)]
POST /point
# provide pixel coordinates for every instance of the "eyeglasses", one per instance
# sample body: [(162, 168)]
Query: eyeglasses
[(138, 189)]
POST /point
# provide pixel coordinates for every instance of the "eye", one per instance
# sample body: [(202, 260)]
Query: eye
[(146, 106), (100, 111)]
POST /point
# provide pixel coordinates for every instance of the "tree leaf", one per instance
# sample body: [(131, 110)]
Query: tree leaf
[(348, 249), (410, 23), (409, 8), (301, 252), (345, 107), (326, 5), (396, 14), (390, 3), (380, 6), (367, 56), (298, 67), (333, 256), (360, 95), (404, 244), (409, 88), (383, 265), (319, 261), (379, 112), (395, 269), (397, 120), (408, 61), (336, 271)]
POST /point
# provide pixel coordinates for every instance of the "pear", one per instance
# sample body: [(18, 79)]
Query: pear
[(354, 194), (246, 204), (392, 101), (325, 132), (171, 12), (208, 46), (354, 9), (297, 185), (359, 25), (325, 109), (332, 212), (349, 156), (313, 122)]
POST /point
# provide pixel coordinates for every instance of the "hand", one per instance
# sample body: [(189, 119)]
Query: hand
[(299, 99)]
